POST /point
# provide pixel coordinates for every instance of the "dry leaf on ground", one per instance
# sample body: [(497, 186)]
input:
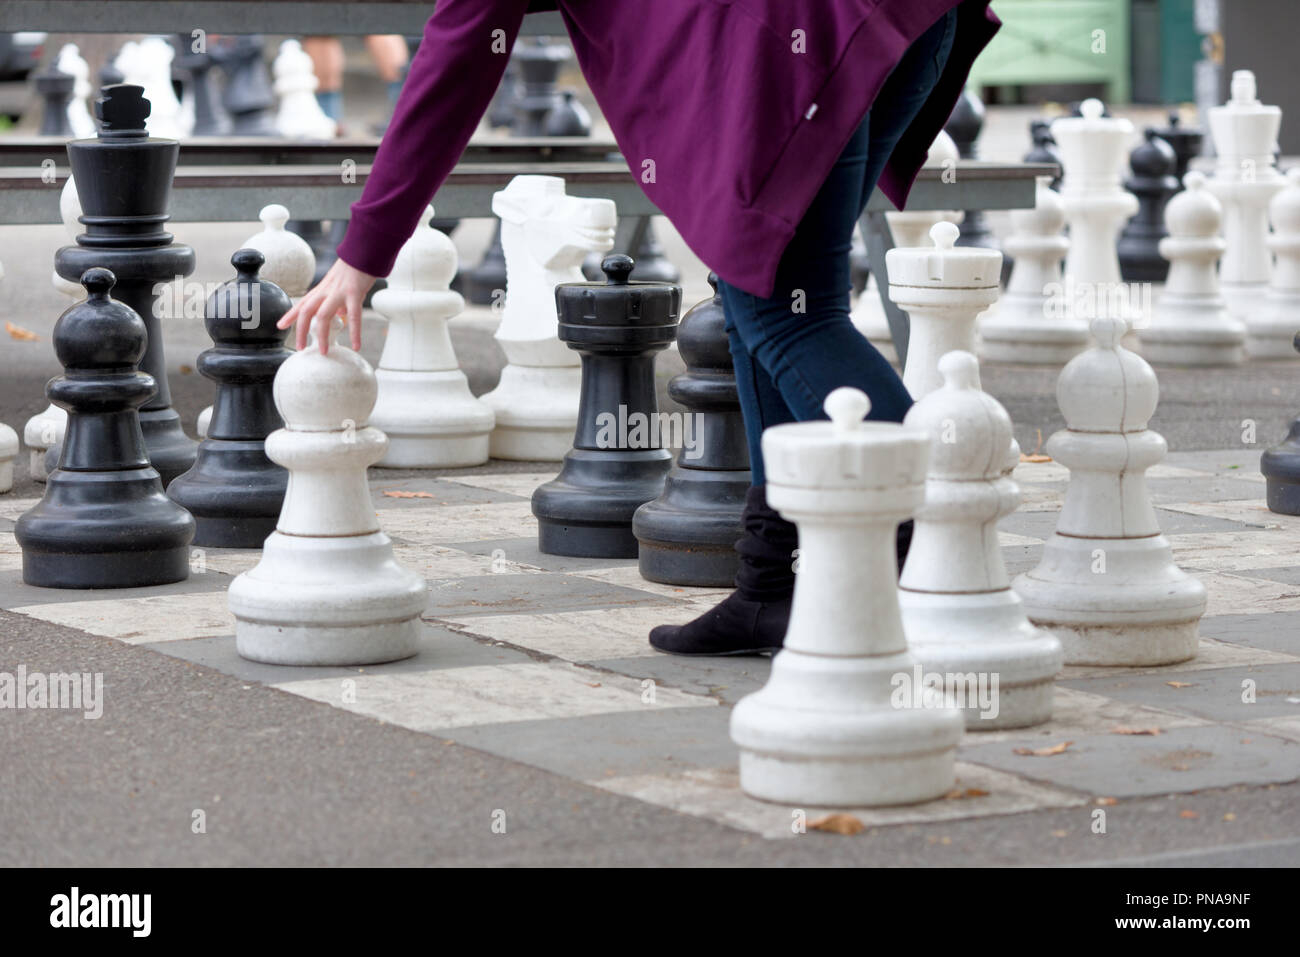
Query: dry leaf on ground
[(957, 794), (1044, 752), (1190, 815), (400, 494), (1178, 684), (19, 333), (838, 824), (1107, 802), (1123, 730)]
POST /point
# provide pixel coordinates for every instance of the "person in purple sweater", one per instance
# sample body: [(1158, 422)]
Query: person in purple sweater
[(801, 107)]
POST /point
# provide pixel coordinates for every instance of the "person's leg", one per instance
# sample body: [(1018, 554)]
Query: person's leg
[(390, 54), (327, 58)]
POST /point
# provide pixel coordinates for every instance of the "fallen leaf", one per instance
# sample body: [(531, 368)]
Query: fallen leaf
[(958, 794), (1036, 458), (1179, 767), (1189, 815), (401, 494), (1178, 684), (593, 684), (1044, 752), (838, 824), (1229, 816), (19, 333), (186, 370), (1107, 802), (1122, 730), (1060, 833)]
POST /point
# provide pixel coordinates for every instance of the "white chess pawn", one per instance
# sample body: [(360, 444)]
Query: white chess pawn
[(545, 236), (1031, 322), (8, 452), (290, 264), (425, 407), (1281, 309), (833, 726), (1093, 154), (71, 62), (961, 617), (148, 63), (1190, 324), (1107, 585), (1245, 180), (907, 228), (300, 115), (943, 288), (328, 590)]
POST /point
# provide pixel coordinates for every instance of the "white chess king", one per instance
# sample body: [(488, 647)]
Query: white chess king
[(830, 727), (328, 590)]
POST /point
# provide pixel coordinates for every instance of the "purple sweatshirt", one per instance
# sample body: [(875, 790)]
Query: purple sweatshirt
[(730, 113)]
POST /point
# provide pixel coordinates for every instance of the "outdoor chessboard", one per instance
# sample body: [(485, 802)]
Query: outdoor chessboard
[(544, 660)]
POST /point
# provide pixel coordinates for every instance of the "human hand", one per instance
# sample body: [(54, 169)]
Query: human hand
[(341, 290)]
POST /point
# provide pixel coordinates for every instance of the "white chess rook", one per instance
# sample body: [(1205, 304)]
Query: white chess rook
[(960, 615), (1030, 323), (832, 727), (1096, 204), (1280, 315), (943, 288), (425, 406), (1245, 180), (1107, 585), (328, 590), (1190, 324), (545, 235), (300, 115)]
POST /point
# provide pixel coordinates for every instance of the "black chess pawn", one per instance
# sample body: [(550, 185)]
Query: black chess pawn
[(1186, 142), (234, 491), (486, 280), (249, 97), (56, 88), (539, 68), (1281, 468), (688, 534), (1153, 183), (124, 182), (104, 521), (652, 264), (209, 118), (617, 462), (568, 118), (964, 126), (1044, 149), (501, 111)]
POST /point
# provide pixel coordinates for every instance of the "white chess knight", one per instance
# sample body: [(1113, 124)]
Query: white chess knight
[(960, 615), (1107, 585), (71, 62), (1245, 180), (289, 263), (545, 235), (300, 115), (1281, 309), (327, 590), (1096, 207), (45, 429), (943, 288), (1190, 324), (425, 406), (1031, 322), (833, 726), (148, 63), (908, 228)]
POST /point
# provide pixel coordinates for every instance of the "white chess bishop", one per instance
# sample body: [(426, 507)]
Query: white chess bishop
[(908, 228), (71, 62), (300, 115), (1093, 155), (960, 615), (1245, 131), (1107, 585), (1190, 324), (1030, 323), (545, 235), (1281, 307), (425, 406), (836, 723), (943, 288), (328, 590)]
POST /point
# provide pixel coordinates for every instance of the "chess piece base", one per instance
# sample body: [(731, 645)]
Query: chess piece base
[(1019, 330), (231, 509), (536, 412), (688, 535), (960, 635), (1265, 338), (1281, 468), (851, 748), (1141, 610), (171, 451), (1189, 332), (431, 420), (586, 511), (327, 601)]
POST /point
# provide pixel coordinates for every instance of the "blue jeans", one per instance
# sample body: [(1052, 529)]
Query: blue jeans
[(788, 361)]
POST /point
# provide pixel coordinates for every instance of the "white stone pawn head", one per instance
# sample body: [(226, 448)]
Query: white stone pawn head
[(847, 407), (1107, 389), (427, 262), (1046, 217), (293, 69), (1284, 208), (559, 230), (290, 263), (970, 431), (1195, 212), (334, 392)]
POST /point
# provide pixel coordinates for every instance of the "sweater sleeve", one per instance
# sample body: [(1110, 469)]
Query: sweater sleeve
[(451, 80)]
